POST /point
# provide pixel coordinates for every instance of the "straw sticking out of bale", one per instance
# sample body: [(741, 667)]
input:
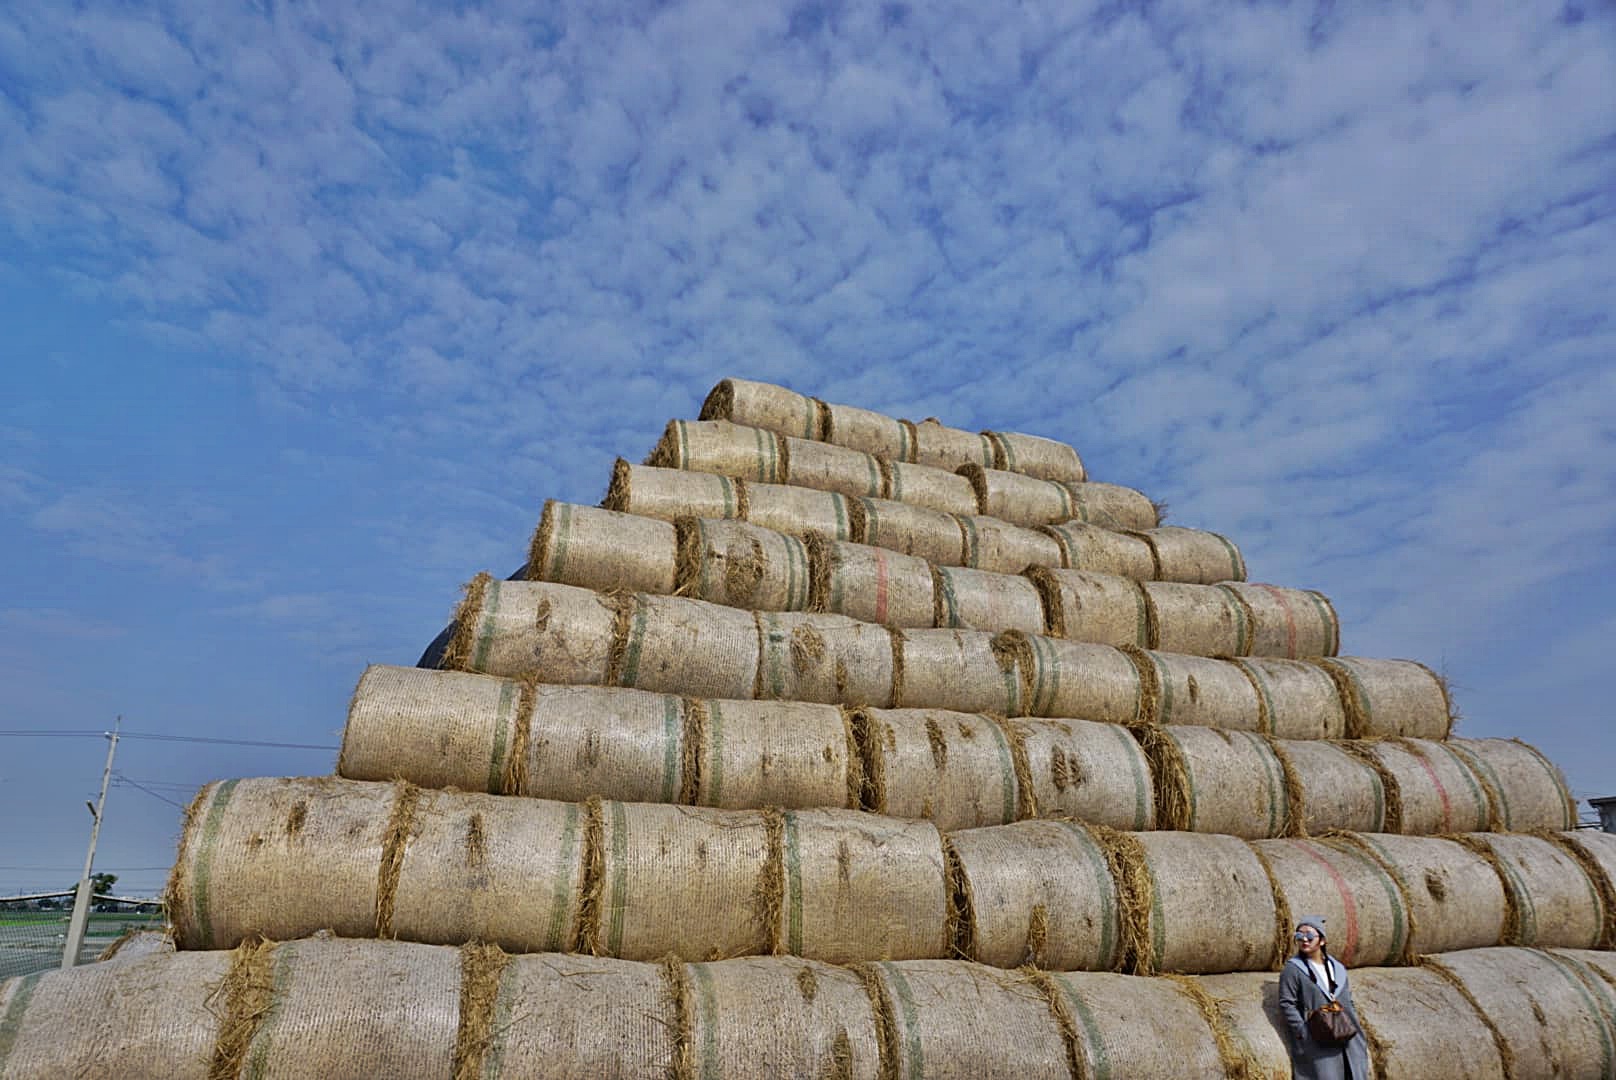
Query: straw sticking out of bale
[(513, 776), (458, 655), (401, 827), (1238, 1061), (676, 994), (1506, 1053), (769, 894), (1136, 889), (886, 1024), (961, 906), (481, 969), (1173, 809), (1061, 1011), (1282, 908), (1391, 789), (592, 879), (1603, 883), (248, 992)]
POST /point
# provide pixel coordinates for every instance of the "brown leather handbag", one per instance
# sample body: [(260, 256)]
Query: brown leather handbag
[(1331, 1025)]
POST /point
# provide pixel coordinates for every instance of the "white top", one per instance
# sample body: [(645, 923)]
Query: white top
[(1322, 974)]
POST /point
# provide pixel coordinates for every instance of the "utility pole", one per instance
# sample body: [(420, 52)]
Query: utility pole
[(83, 900)]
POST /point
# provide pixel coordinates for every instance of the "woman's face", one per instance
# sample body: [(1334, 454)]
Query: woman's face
[(1308, 942)]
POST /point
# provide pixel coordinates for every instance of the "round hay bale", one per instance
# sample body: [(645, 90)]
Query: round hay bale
[(1091, 547), (1601, 964), (603, 550), (951, 1019), (1419, 1025), (57, 1022), (1339, 789), (1437, 791), (1545, 1011), (1083, 605), (911, 530), (1551, 899), (1126, 1026), (1595, 851), (585, 741), (1191, 921), (1079, 680), (1196, 620), (934, 489), (827, 467), (1193, 556), (965, 599), (1088, 771), (1041, 893), (1365, 910), (779, 1016), (670, 494), (799, 511), (555, 633), (742, 565), (872, 432), (1215, 781), (558, 1016), (681, 646), (437, 729), (1299, 700), (1455, 898), (991, 544), (1112, 506), (1248, 1004), (954, 769), (1037, 456), (1291, 623), (1018, 499), (135, 943), (763, 405), (722, 448), (964, 670), (1390, 697), (1180, 689), (1526, 790), (870, 583), (829, 659), (772, 753), (944, 447)]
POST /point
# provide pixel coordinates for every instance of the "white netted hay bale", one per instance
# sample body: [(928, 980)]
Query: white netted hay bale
[(872, 432), (1087, 771), (1085, 546), (1197, 620), (1299, 700), (764, 405), (1180, 689), (966, 599), (670, 494), (831, 659), (1035, 455), (934, 489), (1194, 556), (555, 633), (1437, 791), (1087, 605), (991, 544), (1122, 1025), (1338, 788), (1292, 623), (955, 769), (1453, 896), (969, 671), (801, 511), (1363, 906), (871, 583), (741, 565), (1526, 790), (1550, 898), (1077, 679), (912, 530), (827, 467), (944, 447), (1419, 1025), (603, 550), (1214, 781), (1391, 697), (722, 448)]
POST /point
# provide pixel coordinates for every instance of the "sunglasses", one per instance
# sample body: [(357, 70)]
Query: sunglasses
[(1305, 935)]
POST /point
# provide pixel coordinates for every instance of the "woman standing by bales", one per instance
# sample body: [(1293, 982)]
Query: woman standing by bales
[(1313, 999)]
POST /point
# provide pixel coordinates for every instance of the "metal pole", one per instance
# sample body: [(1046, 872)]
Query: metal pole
[(82, 901)]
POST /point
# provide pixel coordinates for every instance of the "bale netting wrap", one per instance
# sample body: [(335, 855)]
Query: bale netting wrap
[(871, 432), (1292, 623), (1034, 455), (742, 565), (1390, 697), (1077, 679), (1339, 789), (581, 741), (1298, 700), (682, 646), (829, 659), (800, 511), (991, 544), (1363, 907), (830, 885), (1455, 898), (1595, 851), (777, 1016), (1552, 902), (1183, 689), (911, 530), (826, 467), (1099, 608), (965, 599), (1526, 790), (557, 1016), (944, 447), (1123, 1026), (1040, 893), (1183, 918), (1214, 781), (58, 1022), (771, 753), (1437, 791), (954, 769), (1018, 499), (1193, 556), (555, 633), (1539, 1006), (763, 405), (1091, 547), (603, 550), (1112, 506), (964, 670), (1419, 1025), (934, 489), (722, 448), (1088, 771), (870, 584), (1196, 620), (1248, 1006), (670, 494), (952, 1019)]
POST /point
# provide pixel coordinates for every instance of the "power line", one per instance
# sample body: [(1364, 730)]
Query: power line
[(125, 781), (155, 737)]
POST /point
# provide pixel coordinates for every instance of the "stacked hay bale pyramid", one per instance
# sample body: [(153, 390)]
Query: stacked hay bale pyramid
[(835, 745)]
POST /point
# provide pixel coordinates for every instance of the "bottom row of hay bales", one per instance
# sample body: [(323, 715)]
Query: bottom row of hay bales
[(339, 1008)]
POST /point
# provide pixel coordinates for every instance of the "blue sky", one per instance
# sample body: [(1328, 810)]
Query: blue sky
[(308, 310)]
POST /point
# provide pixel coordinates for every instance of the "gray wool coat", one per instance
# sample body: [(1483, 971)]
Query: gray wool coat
[(1298, 997)]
